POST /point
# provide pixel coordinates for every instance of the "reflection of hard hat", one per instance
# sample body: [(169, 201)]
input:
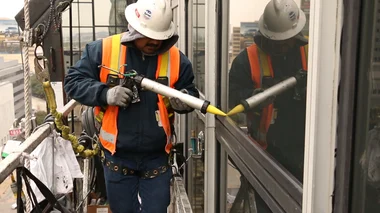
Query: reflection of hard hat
[(151, 18), (282, 19)]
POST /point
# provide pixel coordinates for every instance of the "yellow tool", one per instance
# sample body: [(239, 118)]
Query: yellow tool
[(270, 93), (239, 108), (213, 110), (195, 103)]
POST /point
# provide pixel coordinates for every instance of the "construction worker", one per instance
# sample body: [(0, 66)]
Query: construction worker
[(135, 136), (279, 52)]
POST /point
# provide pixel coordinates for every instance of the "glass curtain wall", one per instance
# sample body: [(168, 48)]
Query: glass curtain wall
[(244, 32), (199, 43), (365, 191), (91, 20)]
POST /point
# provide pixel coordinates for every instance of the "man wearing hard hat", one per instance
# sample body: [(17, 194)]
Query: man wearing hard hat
[(136, 129), (279, 52)]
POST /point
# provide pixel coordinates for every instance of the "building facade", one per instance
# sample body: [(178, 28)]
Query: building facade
[(7, 109), (12, 72)]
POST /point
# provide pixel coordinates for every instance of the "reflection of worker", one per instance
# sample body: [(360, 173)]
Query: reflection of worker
[(135, 136), (117, 16), (370, 163), (279, 52)]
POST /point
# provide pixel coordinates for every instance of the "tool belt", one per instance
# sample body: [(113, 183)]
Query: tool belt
[(148, 174)]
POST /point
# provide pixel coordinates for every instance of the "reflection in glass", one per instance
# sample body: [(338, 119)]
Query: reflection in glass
[(366, 193), (117, 16), (85, 14), (258, 59), (240, 193), (102, 13), (199, 44), (85, 36), (101, 32), (76, 53)]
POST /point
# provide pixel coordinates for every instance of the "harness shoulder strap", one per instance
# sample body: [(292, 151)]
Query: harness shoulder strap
[(113, 56), (168, 66), (254, 63), (304, 50), (260, 63)]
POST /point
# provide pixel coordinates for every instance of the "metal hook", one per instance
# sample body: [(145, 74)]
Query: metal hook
[(42, 73), (35, 52)]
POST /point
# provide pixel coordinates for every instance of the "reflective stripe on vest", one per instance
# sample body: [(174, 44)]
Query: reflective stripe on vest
[(261, 66), (114, 56)]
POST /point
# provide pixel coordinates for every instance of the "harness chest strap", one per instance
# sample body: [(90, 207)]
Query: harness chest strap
[(261, 65), (114, 55)]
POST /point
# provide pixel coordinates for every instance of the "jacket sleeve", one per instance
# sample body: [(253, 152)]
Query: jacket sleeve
[(186, 79), (82, 83), (241, 85)]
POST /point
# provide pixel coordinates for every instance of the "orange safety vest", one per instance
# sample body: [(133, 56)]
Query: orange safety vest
[(114, 56), (261, 66)]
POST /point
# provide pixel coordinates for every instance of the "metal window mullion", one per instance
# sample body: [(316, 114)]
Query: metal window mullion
[(321, 111), (210, 92)]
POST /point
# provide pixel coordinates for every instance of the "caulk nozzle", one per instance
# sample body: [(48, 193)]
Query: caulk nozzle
[(213, 110), (235, 110)]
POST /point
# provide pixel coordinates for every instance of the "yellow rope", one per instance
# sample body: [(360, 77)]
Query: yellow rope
[(52, 105)]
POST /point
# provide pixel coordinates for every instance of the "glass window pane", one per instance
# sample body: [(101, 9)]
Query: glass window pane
[(86, 36), (241, 196), (66, 18), (103, 11), (199, 58), (66, 47), (199, 45), (199, 15), (278, 125), (120, 13), (101, 32), (85, 14), (75, 16), (366, 184)]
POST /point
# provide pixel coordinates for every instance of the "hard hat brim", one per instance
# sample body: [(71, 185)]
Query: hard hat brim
[(132, 19), (283, 35)]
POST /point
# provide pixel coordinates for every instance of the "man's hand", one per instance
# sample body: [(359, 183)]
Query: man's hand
[(178, 104), (119, 96)]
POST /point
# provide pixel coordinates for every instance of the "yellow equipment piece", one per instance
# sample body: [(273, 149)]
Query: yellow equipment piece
[(235, 110), (213, 110), (42, 75)]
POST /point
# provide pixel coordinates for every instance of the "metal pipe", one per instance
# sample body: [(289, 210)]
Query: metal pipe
[(65, 110), (195, 103), (265, 95)]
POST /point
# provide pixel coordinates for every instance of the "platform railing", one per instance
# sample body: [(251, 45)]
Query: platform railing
[(15, 159), (180, 203)]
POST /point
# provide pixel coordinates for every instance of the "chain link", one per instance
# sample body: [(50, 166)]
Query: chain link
[(53, 15)]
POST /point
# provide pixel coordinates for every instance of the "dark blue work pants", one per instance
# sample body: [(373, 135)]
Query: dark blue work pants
[(122, 190)]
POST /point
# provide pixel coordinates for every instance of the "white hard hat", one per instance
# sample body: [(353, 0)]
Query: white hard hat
[(282, 19), (151, 18)]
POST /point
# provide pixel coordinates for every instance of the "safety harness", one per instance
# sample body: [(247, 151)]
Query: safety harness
[(261, 66), (113, 63)]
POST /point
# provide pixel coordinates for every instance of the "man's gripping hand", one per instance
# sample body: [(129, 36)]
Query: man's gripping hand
[(178, 105), (119, 96)]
